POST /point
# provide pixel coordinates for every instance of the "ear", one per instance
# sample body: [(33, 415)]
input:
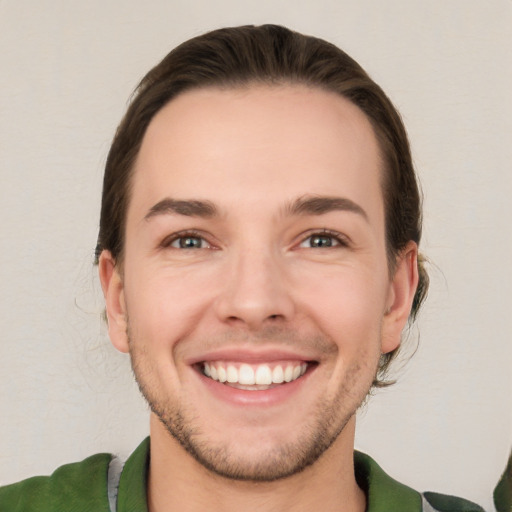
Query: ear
[(400, 297), (113, 291)]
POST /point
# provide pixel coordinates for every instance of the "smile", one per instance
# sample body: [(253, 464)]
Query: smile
[(254, 377)]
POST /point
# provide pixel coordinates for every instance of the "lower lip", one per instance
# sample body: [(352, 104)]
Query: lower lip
[(264, 397)]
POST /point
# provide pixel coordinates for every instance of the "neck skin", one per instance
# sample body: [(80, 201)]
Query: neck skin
[(177, 482)]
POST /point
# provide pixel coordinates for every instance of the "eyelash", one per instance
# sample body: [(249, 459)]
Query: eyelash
[(340, 240), (167, 242)]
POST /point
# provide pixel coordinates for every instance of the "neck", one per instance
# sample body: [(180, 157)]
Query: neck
[(178, 482)]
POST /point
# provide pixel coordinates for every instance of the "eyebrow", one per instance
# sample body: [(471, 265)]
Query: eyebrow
[(319, 205), (305, 205), (191, 208)]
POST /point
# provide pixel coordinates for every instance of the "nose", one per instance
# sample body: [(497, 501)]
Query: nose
[(255, 291)]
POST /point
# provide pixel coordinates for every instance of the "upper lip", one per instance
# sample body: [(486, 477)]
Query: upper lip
[(253, 356)]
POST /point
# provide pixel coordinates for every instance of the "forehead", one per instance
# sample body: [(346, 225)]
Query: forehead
[(254, 144)]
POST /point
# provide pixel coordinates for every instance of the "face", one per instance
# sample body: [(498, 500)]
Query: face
[(255, 296)]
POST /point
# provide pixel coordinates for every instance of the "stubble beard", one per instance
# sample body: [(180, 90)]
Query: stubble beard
[(329, 419)]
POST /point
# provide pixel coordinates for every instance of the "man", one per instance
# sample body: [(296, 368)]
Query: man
[(258, 252)]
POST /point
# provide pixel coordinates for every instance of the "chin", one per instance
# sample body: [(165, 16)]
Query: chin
[(258, 457)]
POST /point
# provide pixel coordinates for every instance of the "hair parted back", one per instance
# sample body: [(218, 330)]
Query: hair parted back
[(273, 55)]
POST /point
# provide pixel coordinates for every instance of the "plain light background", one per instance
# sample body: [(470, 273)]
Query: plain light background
[(67, 69)]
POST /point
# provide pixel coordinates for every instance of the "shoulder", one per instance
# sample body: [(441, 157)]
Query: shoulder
[(385, 493), (81, 486), (503, 491), (435, 502)]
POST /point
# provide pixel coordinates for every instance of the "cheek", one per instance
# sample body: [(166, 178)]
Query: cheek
[(165, 305), (347, 306)]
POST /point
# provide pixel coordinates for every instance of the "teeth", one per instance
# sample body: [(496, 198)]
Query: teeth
[(246, 375), (258, 375), (263, 375), (232, 374), (278, 375), (221, 372)]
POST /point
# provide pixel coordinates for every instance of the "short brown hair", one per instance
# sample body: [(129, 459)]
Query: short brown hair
[(268, 54)]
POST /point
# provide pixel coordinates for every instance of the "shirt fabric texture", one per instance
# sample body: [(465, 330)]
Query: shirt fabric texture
[(98, 484)]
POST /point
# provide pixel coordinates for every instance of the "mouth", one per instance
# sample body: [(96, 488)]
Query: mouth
[(255, 377)]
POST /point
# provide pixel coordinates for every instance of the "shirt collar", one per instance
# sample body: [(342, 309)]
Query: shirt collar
[(383, 493)]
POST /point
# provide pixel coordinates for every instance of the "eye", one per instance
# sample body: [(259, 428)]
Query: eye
[(186, 241), (189, 242), (323, 241)]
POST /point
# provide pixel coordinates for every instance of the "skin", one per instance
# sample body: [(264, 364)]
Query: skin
[(269, 278)]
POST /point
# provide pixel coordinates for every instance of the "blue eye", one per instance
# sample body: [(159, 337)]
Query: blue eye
[(321, 241), (189, 242)]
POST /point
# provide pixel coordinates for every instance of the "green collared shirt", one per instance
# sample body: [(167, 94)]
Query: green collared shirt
[(91, 485), (503, 492)]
